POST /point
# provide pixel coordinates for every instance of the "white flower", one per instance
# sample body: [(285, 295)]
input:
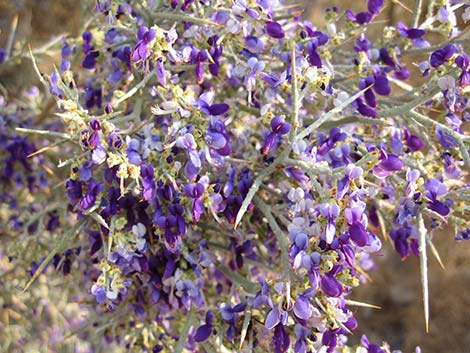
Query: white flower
[(340, 98), (331, 29), (466, 14), (299, 147), (446, 82), (139, 230)]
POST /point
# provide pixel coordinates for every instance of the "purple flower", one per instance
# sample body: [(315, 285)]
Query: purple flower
[(273, 80), (351, 172), (450, 166), (189, 144), (330, 286), (446, 140), (357, 221), (132, 152), (278, 128), (434, 189), (374, 6), (240, 7), (362, 44), (203, 332), (148, 181), (188, 292), (402, 238), (262, 297), (414, 143), (313, 56), (196, 192), (98, 155), (89, 199), (325, 144), (93, 96), (330, 212), (360, 18), (462, 62), (94, 140), (95, 241), (281, 339), (371, 347), (174, 227), (205, 104), (401, 73), (391, 163), (3, 55), (442, 55), (379, 84), (254, 44), (414, 34), (141, 50), (297, 174), (215, 52), (114, 141), (229, 314), (91, 54), (303, 309), (53, 87), (374, 244), (198, 57), (388, 163), (274, 30), (365, 109), (99, 293), (255, 66), (299, 243), (160, 71), (272, 318), (73, 190), (217, 137), (463, 235), (302, 334)]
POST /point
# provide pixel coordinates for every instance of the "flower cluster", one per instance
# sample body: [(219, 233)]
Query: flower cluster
[(232, 169)]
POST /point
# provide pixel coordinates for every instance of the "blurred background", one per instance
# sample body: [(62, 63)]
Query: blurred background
[(395, 285)]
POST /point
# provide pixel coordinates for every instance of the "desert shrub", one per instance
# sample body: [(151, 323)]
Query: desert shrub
[(217, 176)]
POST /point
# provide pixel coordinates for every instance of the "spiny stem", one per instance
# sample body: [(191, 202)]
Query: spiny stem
[(423, 268), (258, 181), (59, 247), (408, 107), (183, 17), (294, 97), (283, 243), (44, 149), (317, 123), (136, 88), (417, 15), (11, 36), (459, 138), (247, 285), (36, 69), (361, 304), (246, 323), (185, 331), (285, 153), (435, 252), (44, 133), (48, 209), (354, 119)]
